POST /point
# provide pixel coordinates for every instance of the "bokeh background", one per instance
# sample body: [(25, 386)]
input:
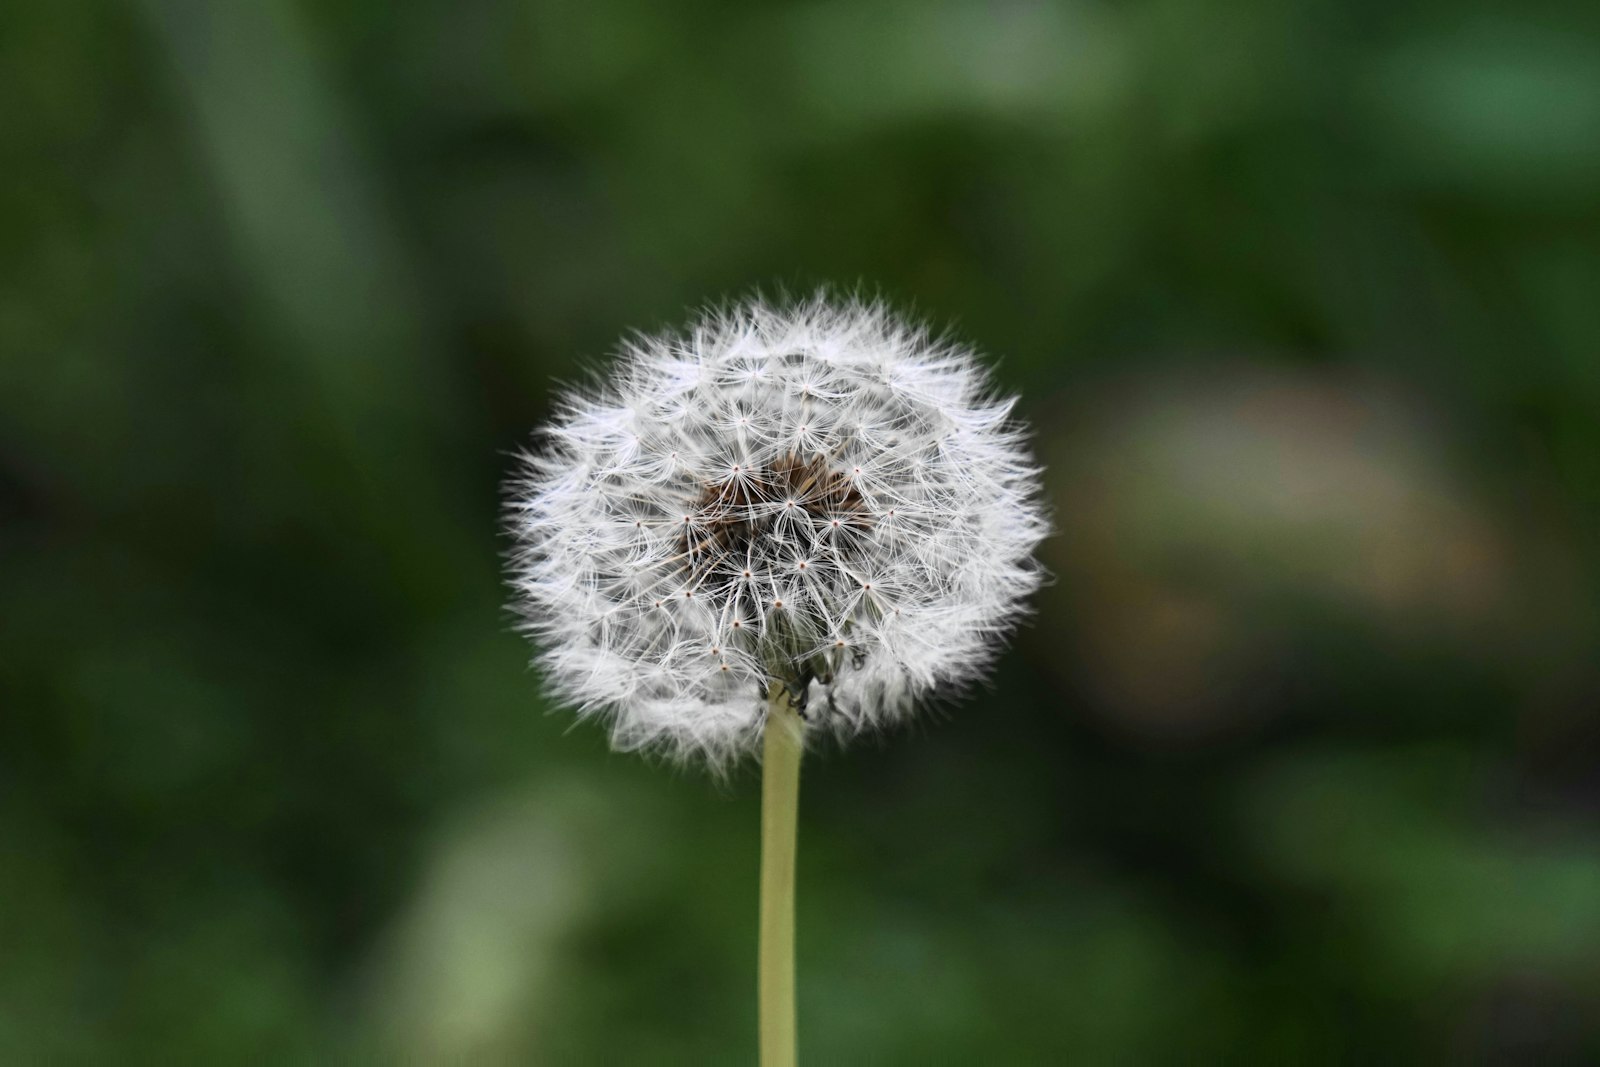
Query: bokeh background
[(1298, 760)]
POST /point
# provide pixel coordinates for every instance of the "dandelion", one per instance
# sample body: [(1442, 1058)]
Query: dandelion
[(785, 522)]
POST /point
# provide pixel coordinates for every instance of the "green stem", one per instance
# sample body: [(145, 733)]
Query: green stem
[(780, 804)]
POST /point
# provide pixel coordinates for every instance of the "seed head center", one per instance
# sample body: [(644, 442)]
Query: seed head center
[(749, 517)]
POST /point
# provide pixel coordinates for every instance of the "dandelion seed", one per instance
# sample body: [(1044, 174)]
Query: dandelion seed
[(752, 433)]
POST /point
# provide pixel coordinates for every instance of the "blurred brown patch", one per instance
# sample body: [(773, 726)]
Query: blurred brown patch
[(1207, 520)]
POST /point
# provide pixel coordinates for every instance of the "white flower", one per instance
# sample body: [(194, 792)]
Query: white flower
[(821, 495)]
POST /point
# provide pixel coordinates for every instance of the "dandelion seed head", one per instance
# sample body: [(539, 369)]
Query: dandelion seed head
[(822, 494)]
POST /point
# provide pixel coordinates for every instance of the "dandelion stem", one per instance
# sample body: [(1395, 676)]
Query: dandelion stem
[(780, 805)]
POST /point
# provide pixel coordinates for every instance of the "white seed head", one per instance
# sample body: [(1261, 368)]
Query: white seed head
[(820, 495)]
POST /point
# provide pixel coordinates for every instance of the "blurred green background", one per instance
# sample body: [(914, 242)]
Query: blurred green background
[(1297, 762)]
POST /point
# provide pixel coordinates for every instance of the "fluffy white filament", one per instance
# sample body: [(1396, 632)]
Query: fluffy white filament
[(821, 495)]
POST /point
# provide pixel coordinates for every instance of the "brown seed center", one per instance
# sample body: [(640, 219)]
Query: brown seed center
[(731, 519)]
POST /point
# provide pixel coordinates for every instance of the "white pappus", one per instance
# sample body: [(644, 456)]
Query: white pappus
[(820, 495)]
